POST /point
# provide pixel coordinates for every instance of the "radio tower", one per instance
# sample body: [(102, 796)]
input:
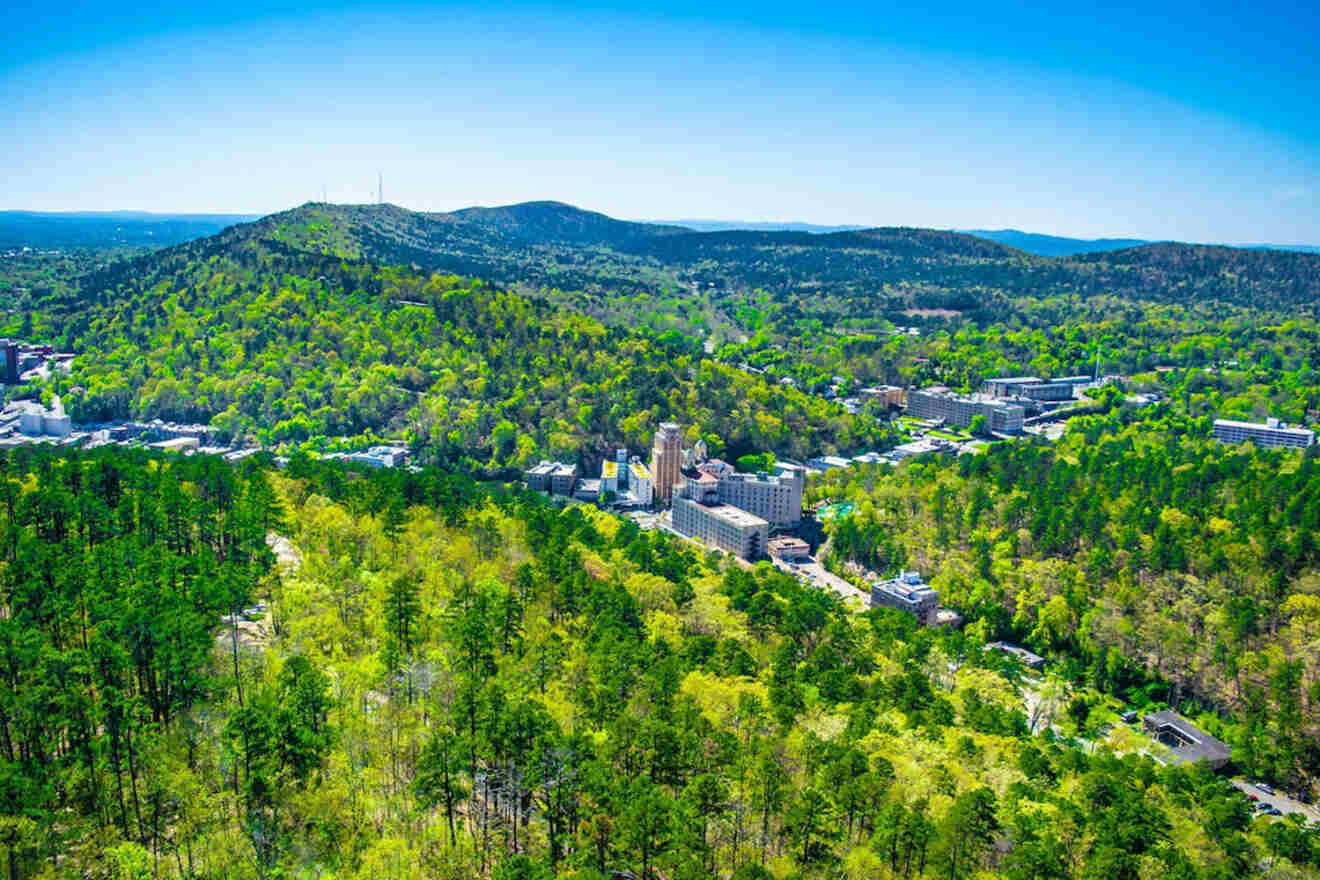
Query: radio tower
[(380, 188)]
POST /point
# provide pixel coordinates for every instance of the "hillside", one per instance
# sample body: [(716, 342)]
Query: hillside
[(444, 680), (831, 276), (260, 337)]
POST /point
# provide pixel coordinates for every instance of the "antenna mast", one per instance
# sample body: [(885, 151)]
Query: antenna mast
[(380, 188)]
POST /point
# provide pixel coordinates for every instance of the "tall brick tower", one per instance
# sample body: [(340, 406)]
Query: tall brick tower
[(666, 459)]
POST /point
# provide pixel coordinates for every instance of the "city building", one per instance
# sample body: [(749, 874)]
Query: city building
[(938, 404), (563, 478), (666, 461), (907, 593), (1034, 388), (380, 456), (1030, 660), (609, 476), (720, 525), (11, 361), (640, 485), (1186, 742), (554, 477), (1272, 433), (889, 395), (35, 420), (828, 462), (775, 498), (588, 491), (789, 549), (538, 476), (177, 444)]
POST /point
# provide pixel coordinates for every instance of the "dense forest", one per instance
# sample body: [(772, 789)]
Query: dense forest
[(283, 345), (453, 680), (1140, 556)]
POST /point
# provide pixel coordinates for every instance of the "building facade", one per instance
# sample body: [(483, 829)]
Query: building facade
[(1033, 388), (937, 404), (722, 526), (640, 484), (907, 593), (666, 461), (1272, 433), (776, 499)]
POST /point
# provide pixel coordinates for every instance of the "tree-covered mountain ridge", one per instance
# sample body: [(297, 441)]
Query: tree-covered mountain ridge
[(261, 337), (551, 244)]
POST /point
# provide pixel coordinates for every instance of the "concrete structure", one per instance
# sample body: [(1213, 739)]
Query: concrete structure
[(609, 476), (1032, 661), (667, 461), (907, 593), (828, 462), (36, 421), (722, 526), (554, 477), (937, 404), (776, 499), (1272, 433), (1187, 743), (924, 446), (178, 444), (640, 486), (380, 456), (789, 549), (563, 478), (890, 395), (538, 476), (11, 361), (588, 491), (1033, 388)]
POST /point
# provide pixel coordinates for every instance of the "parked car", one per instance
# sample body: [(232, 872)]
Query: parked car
[(1250, 796), (1271, 811), (1263, 787)]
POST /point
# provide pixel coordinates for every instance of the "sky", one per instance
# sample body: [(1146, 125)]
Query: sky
[(1175, 120)]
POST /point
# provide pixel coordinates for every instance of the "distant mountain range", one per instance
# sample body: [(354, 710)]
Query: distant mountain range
[(97, 229), (1060, 246), (144, 229)]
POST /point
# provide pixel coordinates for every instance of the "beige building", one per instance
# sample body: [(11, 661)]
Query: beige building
[(720, 525), (666, 461)]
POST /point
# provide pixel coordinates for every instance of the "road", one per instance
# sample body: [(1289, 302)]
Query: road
[(814, 573), (1282, 802)]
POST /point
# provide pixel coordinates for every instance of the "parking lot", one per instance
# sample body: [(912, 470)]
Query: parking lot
[(1281, 802)]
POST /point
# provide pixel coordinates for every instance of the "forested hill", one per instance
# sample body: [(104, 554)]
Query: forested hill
[(850, 274), (262, 338)]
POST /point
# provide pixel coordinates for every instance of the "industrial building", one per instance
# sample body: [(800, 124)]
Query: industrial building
[(909, 593), (1272, 433), (380, 456), (938, 404)]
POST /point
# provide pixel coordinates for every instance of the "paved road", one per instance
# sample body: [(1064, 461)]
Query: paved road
[(815, 574), (1284, 803)]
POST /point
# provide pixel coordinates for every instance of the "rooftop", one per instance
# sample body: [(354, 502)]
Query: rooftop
[(1263, 426), (735, 515), (640, 471), (609, 469), (1187, 742)]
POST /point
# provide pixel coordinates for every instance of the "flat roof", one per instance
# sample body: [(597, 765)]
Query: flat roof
[(544, 467), (1015, 379), (640, 470), (1195, 742), (735, 515), (609, 469), (1262, 426)]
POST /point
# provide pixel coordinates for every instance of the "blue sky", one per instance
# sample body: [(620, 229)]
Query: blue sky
[(1174, 120)]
